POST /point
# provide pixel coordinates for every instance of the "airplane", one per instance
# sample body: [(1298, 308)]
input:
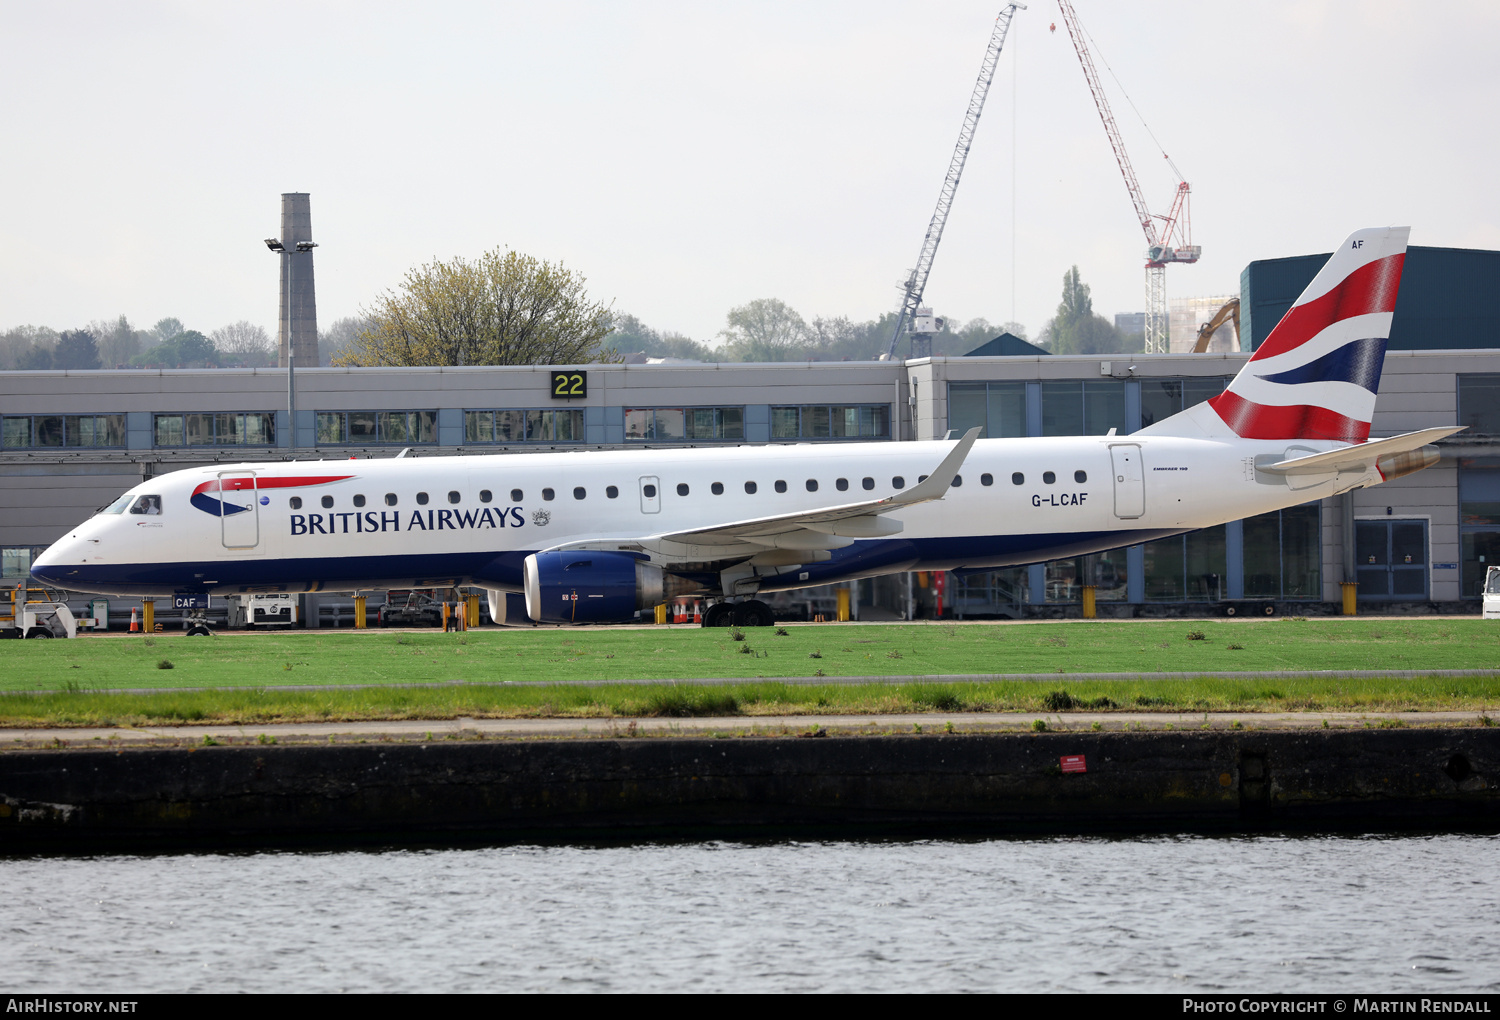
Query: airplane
[(596, 537)]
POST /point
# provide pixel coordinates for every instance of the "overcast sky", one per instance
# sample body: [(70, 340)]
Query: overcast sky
[(689, 157)]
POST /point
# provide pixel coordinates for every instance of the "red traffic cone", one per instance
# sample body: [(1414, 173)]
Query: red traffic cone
[(135, 621)]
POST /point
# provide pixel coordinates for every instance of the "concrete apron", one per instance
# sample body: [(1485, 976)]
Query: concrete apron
[(815, 778)]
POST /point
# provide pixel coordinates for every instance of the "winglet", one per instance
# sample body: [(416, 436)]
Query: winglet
[(935, 486)]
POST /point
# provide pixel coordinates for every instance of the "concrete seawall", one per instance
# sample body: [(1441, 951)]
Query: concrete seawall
[(741, 787)]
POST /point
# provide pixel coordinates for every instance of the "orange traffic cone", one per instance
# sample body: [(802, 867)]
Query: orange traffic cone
[(698, 612), (135, 621)]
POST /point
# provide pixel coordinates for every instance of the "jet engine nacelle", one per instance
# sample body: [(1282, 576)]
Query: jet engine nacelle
[(586, 586)]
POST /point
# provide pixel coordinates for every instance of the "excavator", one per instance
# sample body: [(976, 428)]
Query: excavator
[(1231, 310)]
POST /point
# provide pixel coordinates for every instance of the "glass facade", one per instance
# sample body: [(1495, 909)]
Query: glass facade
[(15, 561), (818, 421), (1162, 398), (65, 430), (545, 425), (1073, 408), (1479, 403), (359, 428), (998, 407), (1283, 554), (1188, 568), (231, 428), (685, 424), (1478, 524), (1106, 571)]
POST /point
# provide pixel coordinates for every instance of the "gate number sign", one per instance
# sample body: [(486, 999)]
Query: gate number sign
[(568, 385)]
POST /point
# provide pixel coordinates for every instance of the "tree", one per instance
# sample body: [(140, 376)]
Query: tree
[(37, 359), (1076, 329), (632, 336), (244, 343), (503, 308), (117, 341), (766, 329), (164, 330), (76, 349), (17, 345), (340, 338), (185, 350)]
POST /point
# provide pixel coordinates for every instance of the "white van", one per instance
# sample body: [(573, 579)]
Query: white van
[(1492, 593)]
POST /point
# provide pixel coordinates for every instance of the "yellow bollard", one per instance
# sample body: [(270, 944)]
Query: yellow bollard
[(473, 611), (359, 612), (661, 613), (148, 617), (1088, 602), (445, 617), (844, 605), (1349, 588)]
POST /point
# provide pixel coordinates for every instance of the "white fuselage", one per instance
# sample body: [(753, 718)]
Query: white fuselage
[(369, 524)]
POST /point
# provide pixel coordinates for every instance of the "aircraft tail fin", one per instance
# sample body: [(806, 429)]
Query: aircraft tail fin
[(1316, 375)]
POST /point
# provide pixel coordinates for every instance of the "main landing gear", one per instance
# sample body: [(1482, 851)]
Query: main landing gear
[(739, 614)]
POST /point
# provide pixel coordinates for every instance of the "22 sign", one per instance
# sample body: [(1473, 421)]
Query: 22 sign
[(570, 385)]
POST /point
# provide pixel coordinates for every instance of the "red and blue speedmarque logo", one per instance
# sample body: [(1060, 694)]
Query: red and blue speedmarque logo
[(249, 483)]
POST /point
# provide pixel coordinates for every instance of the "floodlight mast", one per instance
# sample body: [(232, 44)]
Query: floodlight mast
[(916, 282)]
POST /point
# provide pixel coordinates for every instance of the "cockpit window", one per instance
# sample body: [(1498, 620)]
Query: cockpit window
[(150, 505), (119, 505)]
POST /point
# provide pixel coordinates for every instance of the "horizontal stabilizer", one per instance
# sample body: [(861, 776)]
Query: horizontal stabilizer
[(1359, 457)]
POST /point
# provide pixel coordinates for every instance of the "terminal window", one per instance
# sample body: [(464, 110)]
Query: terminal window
[(999, 408), (233, 428), (685, 424), (359, 428), (15, 560), (818, 421), (1479, 403), (66, 430), (523, 426), (1076, 408), (1162, 398)]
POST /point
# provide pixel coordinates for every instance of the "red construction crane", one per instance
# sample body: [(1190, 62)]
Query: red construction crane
[(1169, 237)]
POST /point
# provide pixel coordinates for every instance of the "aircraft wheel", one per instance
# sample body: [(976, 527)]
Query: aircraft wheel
[(753, 614), (199, 632), (720, 614)]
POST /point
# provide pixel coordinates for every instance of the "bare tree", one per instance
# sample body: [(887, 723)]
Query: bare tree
[(244, 343)]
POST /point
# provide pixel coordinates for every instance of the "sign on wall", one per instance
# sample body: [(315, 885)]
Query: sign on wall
[(570, 385)]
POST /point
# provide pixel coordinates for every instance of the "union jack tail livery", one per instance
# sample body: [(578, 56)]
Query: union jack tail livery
[(1316, 375)]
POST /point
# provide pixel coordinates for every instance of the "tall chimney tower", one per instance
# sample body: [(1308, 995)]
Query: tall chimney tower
[(297, 330)]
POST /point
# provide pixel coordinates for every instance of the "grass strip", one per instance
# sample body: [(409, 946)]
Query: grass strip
[(664, 653), (749, 699)]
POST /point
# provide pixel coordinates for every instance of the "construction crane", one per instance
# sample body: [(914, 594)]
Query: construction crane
[(921, 320), (1169, 237)]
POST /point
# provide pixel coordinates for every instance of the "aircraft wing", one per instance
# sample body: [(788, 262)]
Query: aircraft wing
[(852, 520), (828, 527), (1359, 457)]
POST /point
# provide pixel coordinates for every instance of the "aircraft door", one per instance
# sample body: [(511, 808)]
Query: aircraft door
[(1130, 480), (239, 510), (650, 495)]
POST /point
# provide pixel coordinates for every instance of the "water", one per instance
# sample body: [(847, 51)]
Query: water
[(1173, 914)]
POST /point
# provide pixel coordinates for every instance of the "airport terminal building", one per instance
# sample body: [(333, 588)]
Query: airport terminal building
[(73, 441)]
